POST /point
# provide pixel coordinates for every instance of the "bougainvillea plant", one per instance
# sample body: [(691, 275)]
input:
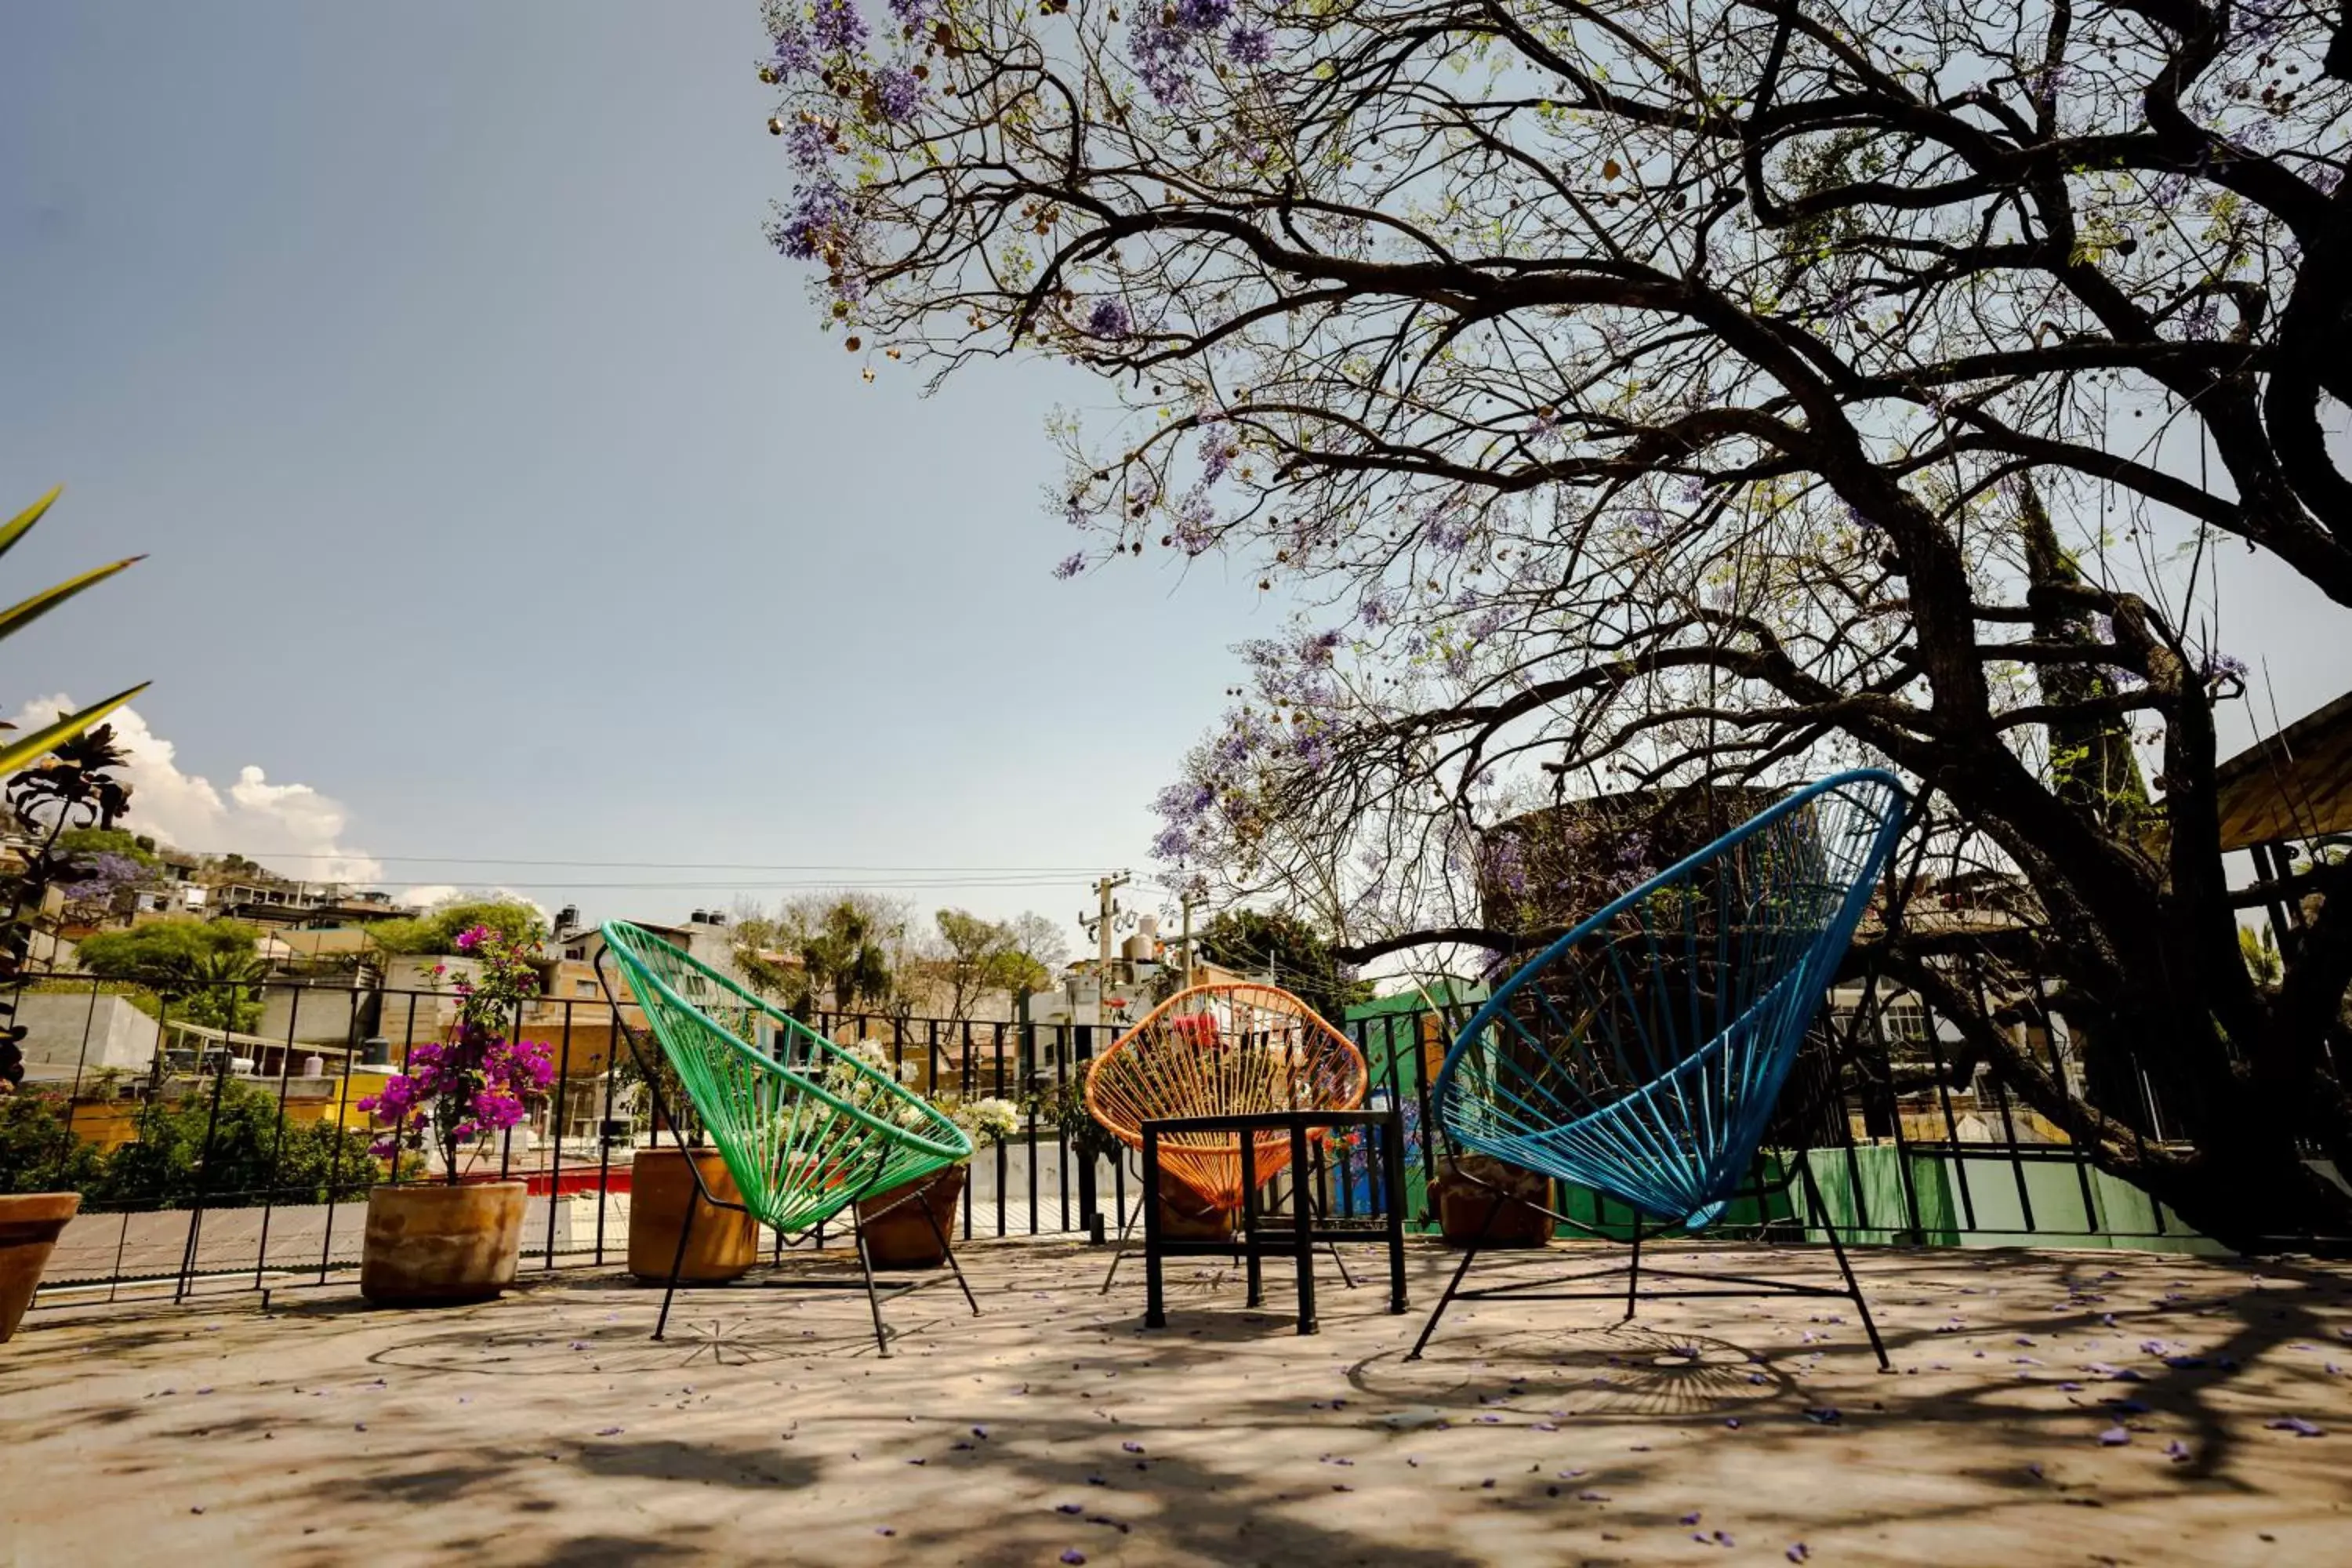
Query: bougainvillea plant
[(479, 1083)]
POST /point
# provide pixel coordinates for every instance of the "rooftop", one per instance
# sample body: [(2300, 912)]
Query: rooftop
[(2046, 1407)]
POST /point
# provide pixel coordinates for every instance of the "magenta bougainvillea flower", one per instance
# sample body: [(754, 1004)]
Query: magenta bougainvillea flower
[(481, 1082)]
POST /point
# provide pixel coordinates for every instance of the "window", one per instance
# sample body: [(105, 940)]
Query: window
[(583, 988), (576, 952), (1906, 1021)]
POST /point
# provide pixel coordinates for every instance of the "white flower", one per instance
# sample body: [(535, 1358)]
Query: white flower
[(996, 1117)]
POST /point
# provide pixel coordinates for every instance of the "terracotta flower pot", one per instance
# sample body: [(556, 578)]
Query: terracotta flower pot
[(432, 1245), (30, 1223), (1461, 1204), (1186, 1215), (724, 1242), (896, 1234)]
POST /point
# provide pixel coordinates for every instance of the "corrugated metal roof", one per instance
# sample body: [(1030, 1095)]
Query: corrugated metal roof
[(2296, 783)]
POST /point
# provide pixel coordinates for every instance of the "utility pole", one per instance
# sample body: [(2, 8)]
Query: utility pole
[(1105, 916), (1188, 899), (1106, 912)]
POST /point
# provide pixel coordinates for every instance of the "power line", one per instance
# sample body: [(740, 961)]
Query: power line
[(794, 887), (1088, 872)]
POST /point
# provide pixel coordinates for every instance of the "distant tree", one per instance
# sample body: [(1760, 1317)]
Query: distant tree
[(436, 930), (206, 971), (979, 955), (768, 955), (134, 846), (253, 1155), (848, 954), (850, 948), (220, 990), (1290, 951), (164, 951), (98, 866), (38, 1149), (1041, 941)]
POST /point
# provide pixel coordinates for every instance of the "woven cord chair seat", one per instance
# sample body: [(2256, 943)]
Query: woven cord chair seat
[(806, 1127), (1642, 1054), (1223, 1050)]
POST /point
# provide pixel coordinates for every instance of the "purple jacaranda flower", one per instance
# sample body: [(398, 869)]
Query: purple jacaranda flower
[(1249, 45), (818, 214), (1216, 457), (809, 144), (796, 56), (897, 94), (1070, 566), (1110, 320), (838, 26)]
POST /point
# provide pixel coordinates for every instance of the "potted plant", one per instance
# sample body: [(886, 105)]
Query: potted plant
[(457, 1240), (723, 1244), (1470, 1185), (897, 1235), (43, 1167)]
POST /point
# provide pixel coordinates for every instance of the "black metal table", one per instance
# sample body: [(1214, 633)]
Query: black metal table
[(1303, 1232)]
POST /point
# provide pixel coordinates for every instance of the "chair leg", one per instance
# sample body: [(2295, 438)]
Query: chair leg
[(1468, 1256), (1118, 1251), (677, 1261), (1634, 1275), (1305, 1202), (1852, 1286), (873, 1301), (949, 1253)]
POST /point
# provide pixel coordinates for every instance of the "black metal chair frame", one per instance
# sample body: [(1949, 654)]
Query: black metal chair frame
[(1297, 1239), (874, 1295), (1798, 1167)]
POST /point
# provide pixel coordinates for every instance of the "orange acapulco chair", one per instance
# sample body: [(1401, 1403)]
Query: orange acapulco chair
[(1217, 1050)]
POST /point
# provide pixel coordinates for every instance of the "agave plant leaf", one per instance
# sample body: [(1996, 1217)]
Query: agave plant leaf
[(24, 612), (22, 524), (41, 741)]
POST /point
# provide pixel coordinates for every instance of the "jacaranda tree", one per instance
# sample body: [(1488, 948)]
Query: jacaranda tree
[(1648, 393)]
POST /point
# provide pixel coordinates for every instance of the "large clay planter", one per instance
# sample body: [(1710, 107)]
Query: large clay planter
[(1461, 1204), (1186, 1215), (902, 1238), (429, 1244), (724, 1242), (30, 1223)]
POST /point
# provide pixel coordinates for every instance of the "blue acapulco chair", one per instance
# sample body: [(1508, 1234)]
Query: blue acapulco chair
[(1641, 1055)]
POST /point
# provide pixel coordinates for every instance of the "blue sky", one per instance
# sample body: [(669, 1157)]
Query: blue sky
[(500, 489), (499, 486)]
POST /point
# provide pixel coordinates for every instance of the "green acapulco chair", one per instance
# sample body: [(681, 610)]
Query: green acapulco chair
[(806, 1131)]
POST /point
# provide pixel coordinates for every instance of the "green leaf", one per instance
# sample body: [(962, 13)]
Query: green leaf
[(23, 522), (20, 615), (40, 743)]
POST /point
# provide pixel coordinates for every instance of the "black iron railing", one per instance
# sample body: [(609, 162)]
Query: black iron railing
[(214, 1157)]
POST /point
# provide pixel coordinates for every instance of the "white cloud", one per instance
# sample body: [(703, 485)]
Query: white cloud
[(289, 828)]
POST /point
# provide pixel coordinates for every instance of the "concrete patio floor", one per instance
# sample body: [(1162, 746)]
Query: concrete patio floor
[(2046, 1408)]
